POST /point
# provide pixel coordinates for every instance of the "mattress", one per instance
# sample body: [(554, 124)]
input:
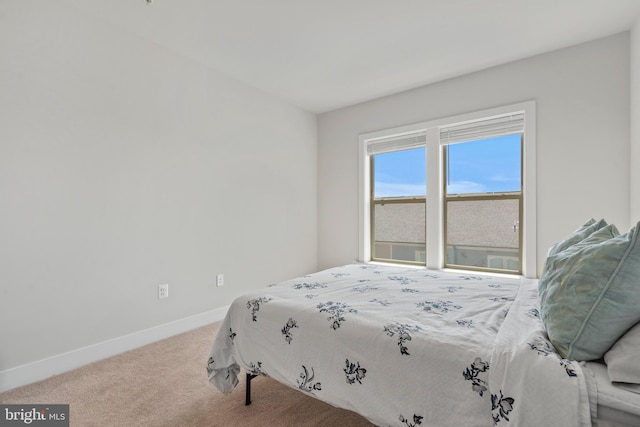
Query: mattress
[(617, 405)]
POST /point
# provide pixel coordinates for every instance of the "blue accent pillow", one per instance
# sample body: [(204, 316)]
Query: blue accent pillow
[(598, 232), (590, 293), (580, 234)]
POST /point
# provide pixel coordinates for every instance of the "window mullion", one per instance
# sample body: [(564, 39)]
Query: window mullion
[(435, 258)]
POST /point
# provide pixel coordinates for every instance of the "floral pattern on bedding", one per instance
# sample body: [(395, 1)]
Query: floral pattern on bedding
[(544, 348), (307, 381), (403, 334), (472, 373), (286, 330), (337, 311), (254, 306), (392, 342), (501, 406), (354, 372), (416, 420)]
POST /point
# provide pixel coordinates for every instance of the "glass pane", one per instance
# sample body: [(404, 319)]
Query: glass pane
[(485, 166), (483, 233), (400, 173), (400, 231)]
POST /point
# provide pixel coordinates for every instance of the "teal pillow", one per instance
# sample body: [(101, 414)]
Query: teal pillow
[(556, 261), (590, 294), (580, 234)]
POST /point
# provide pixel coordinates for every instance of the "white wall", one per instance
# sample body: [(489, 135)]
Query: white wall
[(124, 166), (635, 122), (582, 100)]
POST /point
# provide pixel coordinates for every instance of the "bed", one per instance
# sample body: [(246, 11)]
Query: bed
[(405, 346)]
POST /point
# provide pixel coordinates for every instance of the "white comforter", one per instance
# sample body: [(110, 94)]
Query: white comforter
[(405, 347)]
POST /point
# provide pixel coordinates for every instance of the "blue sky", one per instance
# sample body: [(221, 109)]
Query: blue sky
[(483, 166)]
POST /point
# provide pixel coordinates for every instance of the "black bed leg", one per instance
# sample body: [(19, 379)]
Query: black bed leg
[(247, 400)]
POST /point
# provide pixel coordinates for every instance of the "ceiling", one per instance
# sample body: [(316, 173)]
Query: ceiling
[(322, 55)]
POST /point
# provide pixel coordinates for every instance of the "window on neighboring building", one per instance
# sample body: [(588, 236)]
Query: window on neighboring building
[(481, 210)]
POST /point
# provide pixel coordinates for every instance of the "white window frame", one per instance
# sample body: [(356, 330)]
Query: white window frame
[(435, 225)]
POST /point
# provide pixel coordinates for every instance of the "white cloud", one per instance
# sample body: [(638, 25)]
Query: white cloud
[(386, 189), (503, 178), (465, 187)]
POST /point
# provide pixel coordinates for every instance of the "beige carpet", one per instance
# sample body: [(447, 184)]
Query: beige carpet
[(165, 384)]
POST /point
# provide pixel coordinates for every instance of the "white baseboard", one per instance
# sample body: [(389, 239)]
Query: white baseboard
[(41, 369)]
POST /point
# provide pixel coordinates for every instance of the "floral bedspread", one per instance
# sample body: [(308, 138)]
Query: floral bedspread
[(405, 347)]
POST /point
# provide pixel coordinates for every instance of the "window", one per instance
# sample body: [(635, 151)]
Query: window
[(480, 213), (398, 206), (482, 203)]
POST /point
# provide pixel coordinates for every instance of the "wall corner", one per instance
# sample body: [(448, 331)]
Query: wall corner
[(634, 146)]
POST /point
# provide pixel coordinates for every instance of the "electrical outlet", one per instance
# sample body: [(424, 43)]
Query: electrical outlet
[(163, 291), (220, 279)]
